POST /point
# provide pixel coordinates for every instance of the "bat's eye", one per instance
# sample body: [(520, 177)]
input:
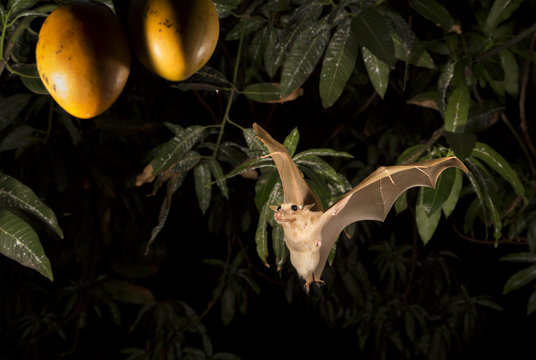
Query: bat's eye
[(294, 208), (279, 208)]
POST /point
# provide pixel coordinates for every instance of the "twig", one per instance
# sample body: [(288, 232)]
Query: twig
[(505, 119), (508, 43), (206, 105), (365, 105), (433, 139), (477, 241), (231, 95)]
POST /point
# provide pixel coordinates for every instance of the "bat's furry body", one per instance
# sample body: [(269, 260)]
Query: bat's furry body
[(310, 235)]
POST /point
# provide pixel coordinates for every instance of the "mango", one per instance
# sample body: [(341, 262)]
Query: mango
[(83, 57), (173, 38)]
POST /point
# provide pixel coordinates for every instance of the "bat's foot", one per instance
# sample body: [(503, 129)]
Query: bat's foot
[(318, 282), (314, 280)]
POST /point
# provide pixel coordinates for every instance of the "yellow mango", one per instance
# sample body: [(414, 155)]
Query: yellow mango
[(83, 57), (174, 38)]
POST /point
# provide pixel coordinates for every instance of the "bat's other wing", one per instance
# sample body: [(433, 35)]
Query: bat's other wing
[(295, 188), (373, 197)]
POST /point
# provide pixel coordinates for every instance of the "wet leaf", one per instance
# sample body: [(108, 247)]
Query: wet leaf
[(339, 61), (270, 93), (519, 279), (373, 32), (20, 242), (303, 57), (377, 70), (437, 13), (17, 196), (498, 163), (203, 189), (457, 109), (426, 224)]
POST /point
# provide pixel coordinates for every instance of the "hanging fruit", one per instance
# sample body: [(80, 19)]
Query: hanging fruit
[(83, 57)]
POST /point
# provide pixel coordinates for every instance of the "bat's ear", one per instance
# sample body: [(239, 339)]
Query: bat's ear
[(273, 207), (307, 207)]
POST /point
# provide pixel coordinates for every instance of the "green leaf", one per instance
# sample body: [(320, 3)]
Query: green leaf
[(437, 13), (226, 7), (203, 189), (273, 51), (401, 203), (253, 141), (426, 224), (374, 33), (531, 306), (20, 242), (279, 247), (377, 70), (322, 152), (447, 73), (454, 195), (321, 167), (11, 107), (35, 85), (457, 109), (264, 187), (339, 61), (416, 56), (250, 165), (481, 184), (511, 72), (263, 92), (495, 161), (172, 151), (482, 116), (269, 93), (291, 141), (248, 25), (522, 257), (218, 175), (500, 11), (472, 212), (280, 41), (261, 235), (531, 235), (172, 185), (441, 192), (303, 56), (519, 279), (187, 163), (461, 143), (14, 6), (128, 292), (15, 195), (227, 306), (427, 99)]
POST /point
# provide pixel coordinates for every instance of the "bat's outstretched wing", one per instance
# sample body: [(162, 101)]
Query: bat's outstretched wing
[(295, 189), (373, 197)]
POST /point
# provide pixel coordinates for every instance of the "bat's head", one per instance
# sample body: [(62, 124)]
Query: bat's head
[(288, 212)]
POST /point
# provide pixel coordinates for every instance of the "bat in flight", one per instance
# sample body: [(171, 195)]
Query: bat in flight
[(310, 232)]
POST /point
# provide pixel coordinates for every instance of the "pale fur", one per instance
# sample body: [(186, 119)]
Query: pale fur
[(302, 237)]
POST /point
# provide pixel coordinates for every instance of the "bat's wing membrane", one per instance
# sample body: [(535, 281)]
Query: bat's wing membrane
[(295, 188), (373, 197)]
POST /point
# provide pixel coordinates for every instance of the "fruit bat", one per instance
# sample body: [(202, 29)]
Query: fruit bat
[(310, 233)]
